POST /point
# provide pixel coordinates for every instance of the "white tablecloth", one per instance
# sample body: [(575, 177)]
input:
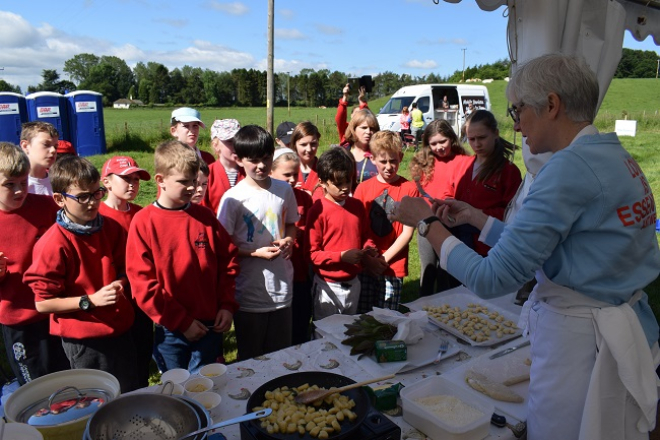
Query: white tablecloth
[(324, 355)]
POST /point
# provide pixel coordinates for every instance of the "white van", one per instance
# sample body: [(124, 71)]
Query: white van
[(429, 99)]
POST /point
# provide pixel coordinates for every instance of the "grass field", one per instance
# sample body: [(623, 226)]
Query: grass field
[(136, 132)]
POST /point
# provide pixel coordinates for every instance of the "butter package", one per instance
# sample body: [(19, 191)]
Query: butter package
[(384, 397), (391, 351)]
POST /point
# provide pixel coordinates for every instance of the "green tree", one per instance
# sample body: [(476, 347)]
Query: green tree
[(52, 83), (101, 80), (78, 68), (122, 78), (6, 87)]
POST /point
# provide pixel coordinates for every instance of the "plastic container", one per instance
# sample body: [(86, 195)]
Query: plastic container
[(427, 422)]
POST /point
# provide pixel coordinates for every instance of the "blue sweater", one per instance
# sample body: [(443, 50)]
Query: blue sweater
[(588, 222)]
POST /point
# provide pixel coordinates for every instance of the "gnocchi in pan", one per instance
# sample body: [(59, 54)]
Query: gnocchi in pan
[(320, 419)]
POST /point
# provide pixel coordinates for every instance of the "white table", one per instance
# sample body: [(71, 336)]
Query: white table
[(322, 355)]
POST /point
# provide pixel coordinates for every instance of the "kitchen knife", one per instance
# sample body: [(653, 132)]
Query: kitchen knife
[(510, 349)]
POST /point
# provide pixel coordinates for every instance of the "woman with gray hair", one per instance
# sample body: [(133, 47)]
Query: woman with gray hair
[(586, 230)]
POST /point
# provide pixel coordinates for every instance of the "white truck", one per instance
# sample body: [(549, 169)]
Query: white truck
[(429, 99)]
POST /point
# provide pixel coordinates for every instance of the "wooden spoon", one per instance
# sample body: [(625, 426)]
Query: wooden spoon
[(314, 395)]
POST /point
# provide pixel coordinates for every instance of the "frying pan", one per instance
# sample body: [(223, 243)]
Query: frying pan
[(323, 380)]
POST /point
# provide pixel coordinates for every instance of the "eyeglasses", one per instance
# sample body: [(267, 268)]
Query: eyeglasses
[(87, 197), (514, 112)]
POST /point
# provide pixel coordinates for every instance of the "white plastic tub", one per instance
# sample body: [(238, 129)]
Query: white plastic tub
[(430, 424)]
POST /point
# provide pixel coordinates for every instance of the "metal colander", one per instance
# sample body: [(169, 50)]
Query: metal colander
[(143, 417)]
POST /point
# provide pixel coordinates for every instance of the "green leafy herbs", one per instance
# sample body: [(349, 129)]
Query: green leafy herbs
[(363, 334)]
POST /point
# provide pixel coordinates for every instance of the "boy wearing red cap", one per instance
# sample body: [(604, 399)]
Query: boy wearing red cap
[(121, 177)]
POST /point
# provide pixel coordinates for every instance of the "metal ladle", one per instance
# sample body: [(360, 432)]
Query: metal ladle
[(255, 415)]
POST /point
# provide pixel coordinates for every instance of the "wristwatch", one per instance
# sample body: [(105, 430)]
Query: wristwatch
[(423, 225), (85, 304)]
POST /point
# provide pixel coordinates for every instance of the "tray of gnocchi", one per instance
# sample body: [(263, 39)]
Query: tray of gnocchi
[(468, 317)]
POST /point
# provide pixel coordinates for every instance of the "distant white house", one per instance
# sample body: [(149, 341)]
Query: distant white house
[(127, 103)]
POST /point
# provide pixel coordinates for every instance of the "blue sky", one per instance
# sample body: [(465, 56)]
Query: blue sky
[(357, 37)]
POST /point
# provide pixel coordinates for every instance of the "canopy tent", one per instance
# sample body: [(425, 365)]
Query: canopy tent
[(591, 28)]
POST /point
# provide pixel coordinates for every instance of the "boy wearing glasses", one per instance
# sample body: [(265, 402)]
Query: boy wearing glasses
[(77, 275)]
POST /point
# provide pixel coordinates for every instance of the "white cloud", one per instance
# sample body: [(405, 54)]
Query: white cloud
[(416, 64), (328, 30), (289, 34), (204, 54), (16, 32), (235, 8)]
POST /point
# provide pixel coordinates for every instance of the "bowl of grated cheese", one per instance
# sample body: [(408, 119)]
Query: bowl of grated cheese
[(445, 411)]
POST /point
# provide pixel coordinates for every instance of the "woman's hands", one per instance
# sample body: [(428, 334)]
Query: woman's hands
[(455, 212), (410, 210)]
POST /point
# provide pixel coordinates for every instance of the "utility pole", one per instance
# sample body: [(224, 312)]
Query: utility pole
[(464, 64), (270, 84), (656, 70), (288, 92)]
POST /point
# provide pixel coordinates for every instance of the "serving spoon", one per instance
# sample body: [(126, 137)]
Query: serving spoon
[(314, 395)]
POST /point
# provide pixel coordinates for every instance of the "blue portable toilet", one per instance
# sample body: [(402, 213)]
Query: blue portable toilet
[(86, 121), (50, 107), (13, 112)]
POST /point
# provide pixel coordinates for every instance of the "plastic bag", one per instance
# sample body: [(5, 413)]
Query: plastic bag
[(409, 327)]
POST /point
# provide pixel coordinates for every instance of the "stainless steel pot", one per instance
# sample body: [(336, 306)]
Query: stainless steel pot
[(60, 404)]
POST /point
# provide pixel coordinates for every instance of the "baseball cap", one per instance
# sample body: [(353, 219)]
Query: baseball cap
[(123, 165), (224, 129), (284, 131), (187, 114), (65, 147)]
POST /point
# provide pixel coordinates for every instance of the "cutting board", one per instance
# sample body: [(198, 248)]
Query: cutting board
[(499, 369)]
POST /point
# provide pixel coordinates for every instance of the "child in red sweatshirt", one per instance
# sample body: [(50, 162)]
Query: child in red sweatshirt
[(77, 275), (121, 177), (337, 236), (182, 265), (31, 350), (378, 196)]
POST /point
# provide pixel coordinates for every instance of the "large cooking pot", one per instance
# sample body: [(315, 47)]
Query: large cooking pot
[(323, 380), (59, 404)]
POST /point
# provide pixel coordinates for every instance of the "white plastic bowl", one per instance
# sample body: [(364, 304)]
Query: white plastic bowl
[(197, 385), (217, 373), (175, 375)]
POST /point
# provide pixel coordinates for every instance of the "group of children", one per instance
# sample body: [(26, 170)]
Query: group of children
[(263, 238)]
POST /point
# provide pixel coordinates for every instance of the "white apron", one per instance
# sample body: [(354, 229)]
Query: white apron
[(593, 374)]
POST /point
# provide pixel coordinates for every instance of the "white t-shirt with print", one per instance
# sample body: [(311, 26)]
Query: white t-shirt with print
[(254, 218)]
